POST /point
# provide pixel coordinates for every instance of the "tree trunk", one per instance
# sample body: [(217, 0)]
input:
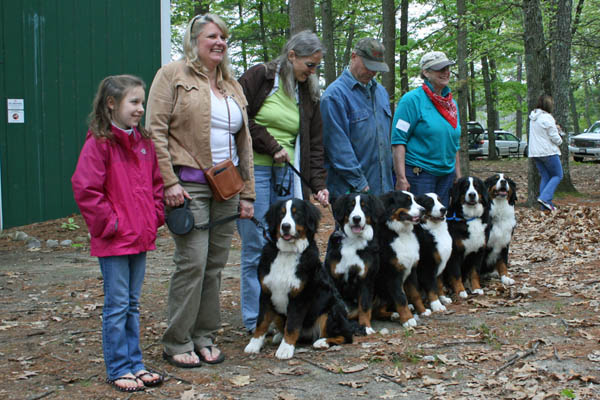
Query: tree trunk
[(389, 43), (263, 36), (463, 87), (327, 24), (587, 108), (349, 42), (472, 103), (574, 114), (302, 16), (403, 43), (490, 102), (243, 42), (535, 60), (561, 62), (519, 114)]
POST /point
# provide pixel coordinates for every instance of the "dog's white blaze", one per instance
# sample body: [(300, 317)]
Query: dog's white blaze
[(439, 231), (282, 278), (285, 351), (358, 212), (471, 190), (289, 218), (415, 209), (500, 180), (476, 239), (503, 223), (406, 249)]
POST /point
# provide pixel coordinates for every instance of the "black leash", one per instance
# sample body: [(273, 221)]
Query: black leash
[(217, 222), (231, 218), (306, 182)]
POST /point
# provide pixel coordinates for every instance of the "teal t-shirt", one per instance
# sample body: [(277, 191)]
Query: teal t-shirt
[(281, 116), (431, 142)]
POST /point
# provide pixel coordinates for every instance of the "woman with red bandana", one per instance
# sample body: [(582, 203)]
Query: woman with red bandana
[(426, 132)]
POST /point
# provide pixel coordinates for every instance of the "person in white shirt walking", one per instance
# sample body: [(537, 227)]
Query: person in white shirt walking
[(544, 149)]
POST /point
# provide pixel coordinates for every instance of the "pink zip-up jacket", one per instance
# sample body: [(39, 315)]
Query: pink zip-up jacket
[(119, 190)]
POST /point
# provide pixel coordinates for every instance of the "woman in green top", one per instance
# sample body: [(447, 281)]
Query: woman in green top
[(285, 125)]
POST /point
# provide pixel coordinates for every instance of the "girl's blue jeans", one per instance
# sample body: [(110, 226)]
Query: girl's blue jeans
[(551, 174), (123, 278)]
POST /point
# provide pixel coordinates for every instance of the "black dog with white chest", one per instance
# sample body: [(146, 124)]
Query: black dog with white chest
[(398, 256), (435, 246), (352, 256), (468, 216), (297, 294), (503, 194)]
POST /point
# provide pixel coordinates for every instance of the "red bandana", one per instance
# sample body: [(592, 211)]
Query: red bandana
[(444, 105)]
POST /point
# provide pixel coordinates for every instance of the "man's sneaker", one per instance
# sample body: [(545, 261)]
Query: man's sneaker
[(546, 205)]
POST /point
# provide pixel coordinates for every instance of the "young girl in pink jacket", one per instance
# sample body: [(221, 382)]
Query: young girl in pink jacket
[(119, 190)]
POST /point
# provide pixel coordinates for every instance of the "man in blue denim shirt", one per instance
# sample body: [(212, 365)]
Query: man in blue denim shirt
[(356, 116)]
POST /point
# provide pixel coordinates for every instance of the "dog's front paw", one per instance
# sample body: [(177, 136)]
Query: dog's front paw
[(437, 306), (507, 281), (478, 291), (277, 338), (463, 294), (321, 344), (445, 300), (285, 351), (426, 313), (255, 345), (369, 330), (410, 323)]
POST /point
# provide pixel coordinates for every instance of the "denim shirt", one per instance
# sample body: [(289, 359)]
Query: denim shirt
[(356, 136)]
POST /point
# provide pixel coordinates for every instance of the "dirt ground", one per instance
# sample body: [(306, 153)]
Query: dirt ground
[(538, 339)]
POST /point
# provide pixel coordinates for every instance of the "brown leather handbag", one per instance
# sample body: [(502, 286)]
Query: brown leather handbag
[(224, 178)]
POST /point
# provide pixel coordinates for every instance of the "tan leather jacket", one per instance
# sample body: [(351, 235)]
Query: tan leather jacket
[(178, 114)]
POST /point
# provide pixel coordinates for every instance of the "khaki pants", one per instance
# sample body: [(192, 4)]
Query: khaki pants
[(193, 311)]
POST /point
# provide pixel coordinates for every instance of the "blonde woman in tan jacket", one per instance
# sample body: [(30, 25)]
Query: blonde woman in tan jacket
[(196, 112)]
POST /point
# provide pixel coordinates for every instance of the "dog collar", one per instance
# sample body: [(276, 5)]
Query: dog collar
[(455, 218)]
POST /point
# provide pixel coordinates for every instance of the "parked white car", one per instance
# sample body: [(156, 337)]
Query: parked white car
[(507, 145), (586, 144)]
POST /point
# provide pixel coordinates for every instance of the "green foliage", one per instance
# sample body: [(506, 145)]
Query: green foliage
[(259, 29), (70, 225)]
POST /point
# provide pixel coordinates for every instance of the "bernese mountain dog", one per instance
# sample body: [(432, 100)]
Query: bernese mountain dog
[(352, 256), (503, 196), (297, 294), (467, 219), (399, 254), (435, 247)]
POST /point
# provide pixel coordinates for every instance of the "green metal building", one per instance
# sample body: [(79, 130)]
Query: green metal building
[(53, 54)]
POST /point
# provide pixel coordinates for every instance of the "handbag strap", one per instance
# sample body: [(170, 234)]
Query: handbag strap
[(228, 134)]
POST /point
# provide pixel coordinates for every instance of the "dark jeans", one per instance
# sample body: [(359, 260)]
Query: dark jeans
[(425, 182)]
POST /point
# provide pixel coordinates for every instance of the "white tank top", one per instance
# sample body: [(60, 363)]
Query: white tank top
[(220, 128)]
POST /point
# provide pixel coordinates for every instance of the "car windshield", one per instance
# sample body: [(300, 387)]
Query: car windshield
[(594, 128)]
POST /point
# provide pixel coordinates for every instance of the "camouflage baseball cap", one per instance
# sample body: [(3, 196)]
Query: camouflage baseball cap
[(371, 52)]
